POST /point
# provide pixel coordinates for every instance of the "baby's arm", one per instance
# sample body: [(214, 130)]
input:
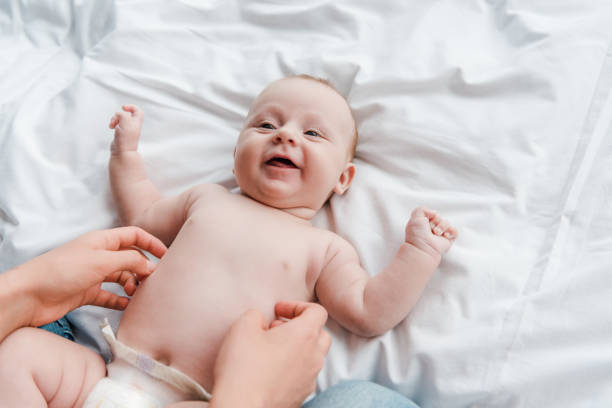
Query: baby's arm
[(369, 306), (137, 199)]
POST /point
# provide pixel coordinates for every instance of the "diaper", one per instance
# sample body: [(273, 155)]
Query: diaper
[(135, 380)]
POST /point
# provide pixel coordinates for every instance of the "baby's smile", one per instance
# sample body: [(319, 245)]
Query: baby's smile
[(283, 162)]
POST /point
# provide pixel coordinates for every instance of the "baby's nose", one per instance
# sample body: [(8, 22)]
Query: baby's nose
[(285, 136)]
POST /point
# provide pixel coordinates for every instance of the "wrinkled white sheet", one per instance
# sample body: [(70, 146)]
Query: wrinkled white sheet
[(496, 113)]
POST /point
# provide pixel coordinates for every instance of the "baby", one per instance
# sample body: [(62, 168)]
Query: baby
[(233, 252)]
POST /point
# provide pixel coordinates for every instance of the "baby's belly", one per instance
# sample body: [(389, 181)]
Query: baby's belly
[(180, 315)]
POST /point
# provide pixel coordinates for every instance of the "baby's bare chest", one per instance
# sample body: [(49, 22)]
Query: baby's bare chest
[(252, 242)]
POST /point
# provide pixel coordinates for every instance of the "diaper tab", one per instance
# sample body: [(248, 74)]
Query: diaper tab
[(185, 385)]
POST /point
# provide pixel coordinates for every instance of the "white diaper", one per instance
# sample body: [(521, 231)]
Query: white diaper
[(135, 380)]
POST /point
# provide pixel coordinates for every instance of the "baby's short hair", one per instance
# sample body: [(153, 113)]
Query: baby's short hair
[(329, 85)]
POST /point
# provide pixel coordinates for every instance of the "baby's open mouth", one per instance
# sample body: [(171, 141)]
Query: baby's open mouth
[(281, 162)]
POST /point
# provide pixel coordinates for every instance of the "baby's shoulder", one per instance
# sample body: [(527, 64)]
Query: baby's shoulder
[(206, 190), (198, 196), (335, 244)]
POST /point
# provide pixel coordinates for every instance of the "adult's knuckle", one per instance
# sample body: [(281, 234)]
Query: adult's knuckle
[(91, 236), (133, 232), (320, 310), (319, 365), (326, 340), (323, 312), (132, 229), (140, 261), (313, 386), (310, 334)]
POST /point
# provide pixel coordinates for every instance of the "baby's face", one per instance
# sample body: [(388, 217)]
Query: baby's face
[(294, 149)]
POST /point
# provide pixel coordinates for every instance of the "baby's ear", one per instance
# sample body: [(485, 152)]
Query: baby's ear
[(345, 179)]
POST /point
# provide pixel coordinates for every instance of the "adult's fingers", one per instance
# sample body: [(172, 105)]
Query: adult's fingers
[(276, 323), (325, 341), (126, 260), (125, 237), (125, 279), (306, 314), (312, 312), (110, 300), (252, 319)]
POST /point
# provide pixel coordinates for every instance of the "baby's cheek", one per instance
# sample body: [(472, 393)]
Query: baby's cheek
[(244, 163)]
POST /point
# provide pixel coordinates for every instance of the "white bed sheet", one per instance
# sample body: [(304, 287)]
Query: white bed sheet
[(496, 113)]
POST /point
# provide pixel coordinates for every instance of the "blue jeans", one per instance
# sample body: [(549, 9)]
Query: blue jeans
[(359, 394), (60, 327)]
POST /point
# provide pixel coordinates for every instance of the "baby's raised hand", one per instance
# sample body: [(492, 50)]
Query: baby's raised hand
[(127, 125), (429, 232)]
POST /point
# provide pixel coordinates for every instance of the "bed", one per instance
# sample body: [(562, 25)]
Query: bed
[(496, 113)]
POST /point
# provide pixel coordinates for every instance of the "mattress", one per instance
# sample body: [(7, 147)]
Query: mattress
[(495, 113)]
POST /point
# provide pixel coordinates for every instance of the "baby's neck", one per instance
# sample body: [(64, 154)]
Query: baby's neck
[(300, 212), (303, 213)]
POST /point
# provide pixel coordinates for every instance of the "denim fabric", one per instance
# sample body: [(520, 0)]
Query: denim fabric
[(60, 327), (359, 394)]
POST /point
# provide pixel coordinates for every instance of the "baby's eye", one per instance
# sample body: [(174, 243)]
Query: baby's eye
[(312, 133), (266, 125)]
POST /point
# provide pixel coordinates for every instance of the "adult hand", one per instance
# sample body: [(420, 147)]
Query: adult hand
[(49, 286), (272, 367)]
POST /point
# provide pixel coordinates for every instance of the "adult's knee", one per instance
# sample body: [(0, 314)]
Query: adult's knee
[(359, 394)]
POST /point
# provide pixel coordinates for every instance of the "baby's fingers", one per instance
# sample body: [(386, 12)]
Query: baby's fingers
[(425, 212), (434, 218), (440, 227), (134, 110), (119, 117), (418, 212), (114, 121), (451, 233)]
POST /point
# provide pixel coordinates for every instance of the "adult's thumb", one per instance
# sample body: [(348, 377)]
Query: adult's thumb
[(252, 319)]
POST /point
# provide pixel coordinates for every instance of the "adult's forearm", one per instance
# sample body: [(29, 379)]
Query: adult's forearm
[(15, 301)]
